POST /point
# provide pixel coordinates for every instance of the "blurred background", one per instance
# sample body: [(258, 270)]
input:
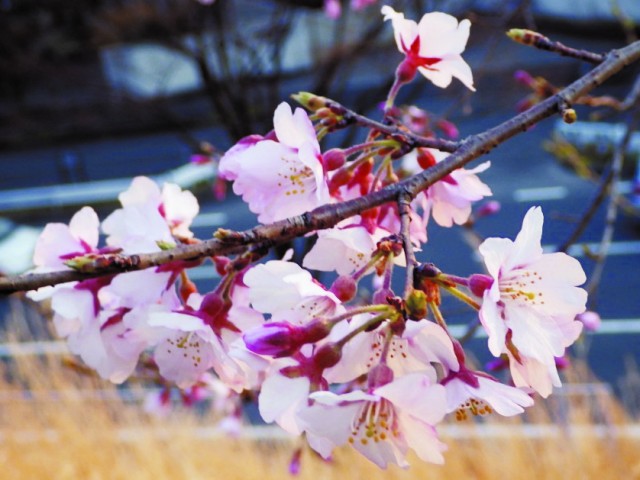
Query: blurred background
[(94, 92)]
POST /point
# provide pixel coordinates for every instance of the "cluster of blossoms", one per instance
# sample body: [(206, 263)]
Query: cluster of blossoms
[(378, 373)]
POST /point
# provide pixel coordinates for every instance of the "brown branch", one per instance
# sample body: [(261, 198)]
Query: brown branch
[(404, 210), (327, 216), (537, 40)]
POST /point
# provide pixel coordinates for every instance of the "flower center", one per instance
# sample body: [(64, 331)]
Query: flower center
[(474, 406), (375, 422), (397, 349), (522, 287), (294, 177)]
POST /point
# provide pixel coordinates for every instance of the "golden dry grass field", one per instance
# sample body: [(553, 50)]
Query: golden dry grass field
[(71, 426)]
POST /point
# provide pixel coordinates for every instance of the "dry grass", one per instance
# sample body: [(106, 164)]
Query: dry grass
[(74, 427)]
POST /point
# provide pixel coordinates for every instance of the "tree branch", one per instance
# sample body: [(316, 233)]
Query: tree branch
[(326, 216)]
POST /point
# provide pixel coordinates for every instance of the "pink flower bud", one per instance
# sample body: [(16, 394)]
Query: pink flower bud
[(334, 159), (523, 78), (562, 363), (314, 331), (212, 304), (276, 339), (426, 158), (327, 356), (345, 288), (591, 320), (294, 463), (332, 9), (478, 283), (200, 159), (380, 296), (497, 364), (488, 208), (448, 128), (340, 178)]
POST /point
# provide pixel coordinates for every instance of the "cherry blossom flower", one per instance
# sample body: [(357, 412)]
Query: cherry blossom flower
[(58, 242), (533, 300), (449, 200), (102, 344), (205, 335), (289, 293), (432, 47), (531, 372), (382, 424), (150, 215), (345, 248), (421, 345), (478, 394), (282, 178)]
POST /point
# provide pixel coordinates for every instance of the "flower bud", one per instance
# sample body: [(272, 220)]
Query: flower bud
[(339, 178), (276, 339), (479, 283), (334, 159), (448, 128), (327, 356), (314, 331), (562, 363), (523, 77), (295, 462), (380, 296), (425, 158), (591, 320), (345, 288), (497, 364), (221, 264), (488, 208), (212, 304)]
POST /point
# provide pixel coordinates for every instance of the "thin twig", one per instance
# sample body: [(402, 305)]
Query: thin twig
[(587, 216), (612, 207), (327, 216), (412, 140), (537, 40)]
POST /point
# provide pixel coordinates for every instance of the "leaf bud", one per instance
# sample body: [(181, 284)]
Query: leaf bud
[(310, 101), (416, 305)]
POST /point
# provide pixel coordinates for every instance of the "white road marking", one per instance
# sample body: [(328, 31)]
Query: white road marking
[(540, 194), (628, 247), (210, 219)]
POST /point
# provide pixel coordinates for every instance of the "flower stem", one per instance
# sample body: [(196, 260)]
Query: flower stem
[(460, 295)]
